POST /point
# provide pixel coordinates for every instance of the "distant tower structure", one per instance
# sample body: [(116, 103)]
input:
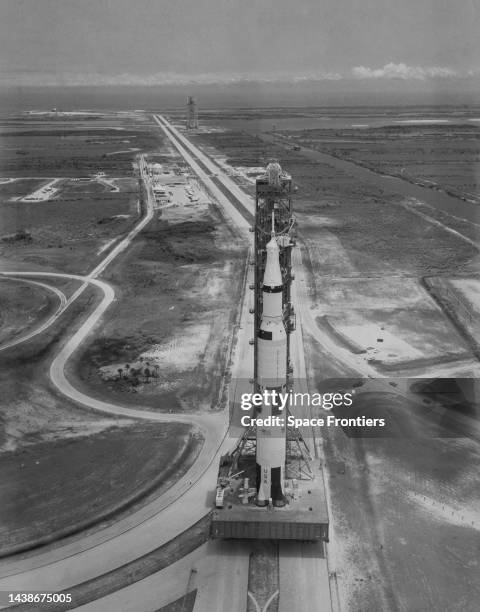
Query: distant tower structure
[(192, 113)]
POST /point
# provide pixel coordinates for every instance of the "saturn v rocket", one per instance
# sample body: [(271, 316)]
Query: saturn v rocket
[(271, 375)]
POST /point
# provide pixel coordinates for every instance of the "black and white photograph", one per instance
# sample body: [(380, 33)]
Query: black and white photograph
[(239, 306)]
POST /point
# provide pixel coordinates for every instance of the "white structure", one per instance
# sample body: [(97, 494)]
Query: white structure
[(272, 375)]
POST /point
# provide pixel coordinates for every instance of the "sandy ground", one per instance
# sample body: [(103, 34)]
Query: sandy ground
[(396, 542), (415, 549), (470, 288), (172, 355), (386, 318)]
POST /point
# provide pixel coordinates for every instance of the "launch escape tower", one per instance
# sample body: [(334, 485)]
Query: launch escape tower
[(192, 113), (265, 487)]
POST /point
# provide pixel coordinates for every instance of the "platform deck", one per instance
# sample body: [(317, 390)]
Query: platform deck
[(305, 516)]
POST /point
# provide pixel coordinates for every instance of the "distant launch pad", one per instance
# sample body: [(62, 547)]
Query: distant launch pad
[(267, 487)]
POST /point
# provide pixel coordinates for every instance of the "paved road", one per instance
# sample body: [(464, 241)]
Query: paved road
[(222, 577), (304, 578), (193, 156), (155, 591), (314, 564)]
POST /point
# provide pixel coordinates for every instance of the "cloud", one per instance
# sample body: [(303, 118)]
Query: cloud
[(402, 71), (315, 76), (38, 79)]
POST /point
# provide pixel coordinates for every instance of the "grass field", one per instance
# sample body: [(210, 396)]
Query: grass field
[(66, 148), (444, 155), (73, 466), (64, 236), (85, 210), (177, 286), (19, 187), (53, 489), (22, 307)]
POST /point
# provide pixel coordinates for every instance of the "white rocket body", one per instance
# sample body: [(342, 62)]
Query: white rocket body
[(272, 374)]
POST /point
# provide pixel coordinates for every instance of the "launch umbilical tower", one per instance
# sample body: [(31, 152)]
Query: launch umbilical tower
[(192, 113), (263, 491), (274, 321), (273, 199)]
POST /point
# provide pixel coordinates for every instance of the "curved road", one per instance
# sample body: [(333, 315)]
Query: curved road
[(155, 524), (46, 324), (185, 502)]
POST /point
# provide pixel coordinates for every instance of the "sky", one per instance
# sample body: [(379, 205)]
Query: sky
[(74, 42)]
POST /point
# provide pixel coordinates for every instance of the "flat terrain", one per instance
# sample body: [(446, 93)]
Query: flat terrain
[(390, 285), (55, 489), (439, 156), (22, 306), (367, 252), (189, 267), (403, 511), (69, 468), (75, 468), (65, 146), (166, 344), (68, 188), (16, 188)]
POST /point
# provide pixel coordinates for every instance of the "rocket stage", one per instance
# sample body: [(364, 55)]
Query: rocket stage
[(288, 501), (304, 517)]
